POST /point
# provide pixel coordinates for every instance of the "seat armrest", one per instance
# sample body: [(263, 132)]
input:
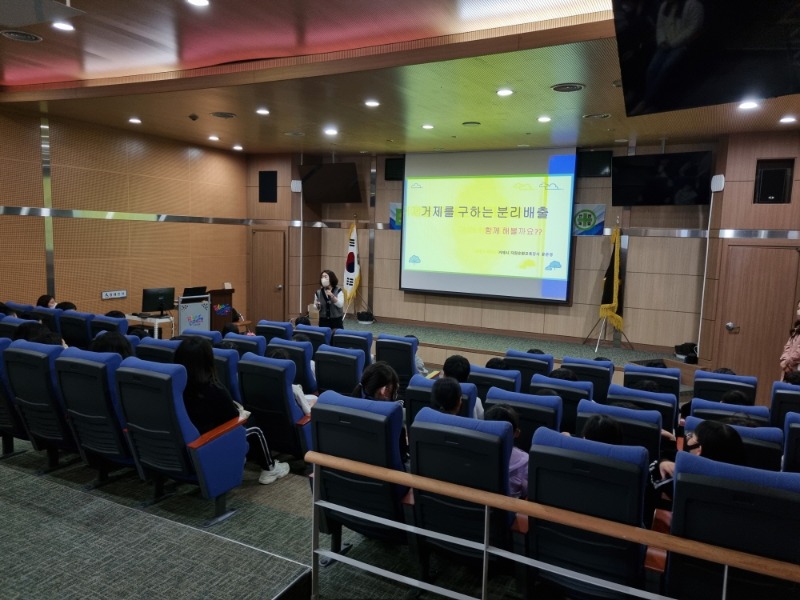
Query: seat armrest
[(520, 524), (218, 431), (432, 375), (303, 421)]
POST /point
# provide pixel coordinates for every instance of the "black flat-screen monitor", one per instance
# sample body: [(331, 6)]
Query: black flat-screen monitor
[(158, 300), (593, 163), (680, 178), (330, 183), (683, 54)]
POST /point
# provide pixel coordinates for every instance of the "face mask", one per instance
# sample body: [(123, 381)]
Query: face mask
[(325, 281)]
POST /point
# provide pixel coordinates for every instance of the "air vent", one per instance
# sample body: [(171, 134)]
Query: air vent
[(567, 87), (223, 115), (294, 133), (20, 36), (471, 123), (596, 116)]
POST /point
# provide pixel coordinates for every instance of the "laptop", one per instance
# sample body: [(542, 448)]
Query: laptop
[(186, 297)]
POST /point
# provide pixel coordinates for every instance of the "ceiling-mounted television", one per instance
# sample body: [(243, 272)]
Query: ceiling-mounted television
[(330, 183), (679, 178), (678, 54)]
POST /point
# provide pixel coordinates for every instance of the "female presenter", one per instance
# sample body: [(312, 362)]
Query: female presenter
[(329, 300), (790, 359)]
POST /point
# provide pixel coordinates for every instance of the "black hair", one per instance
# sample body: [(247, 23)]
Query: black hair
[(602, 428), (496, 363), (645, 385), (740, 419), (66, 306), (446, 395), (603, 358), (564, 374), (48, 337), (412, 336), (112, 341), (30, 330), (230, 328), (792, 378), (139, 332), (44, 300), (720, 442), (300, 337), (535, 351), (280, 353), (735, 397), (724, 371), (374, 377), (302, 320), (456, 366), (196, 354), (546, 391), (115, 314), (331, 276), (502, 412), (226, 345)]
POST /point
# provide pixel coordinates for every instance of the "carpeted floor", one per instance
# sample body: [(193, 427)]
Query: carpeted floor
[(60, 540)]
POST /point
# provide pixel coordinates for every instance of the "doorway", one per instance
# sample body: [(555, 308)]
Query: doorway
[(268, 275), (756, 311)]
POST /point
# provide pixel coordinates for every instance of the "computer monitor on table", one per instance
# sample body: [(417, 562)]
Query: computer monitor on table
[(158, 300)]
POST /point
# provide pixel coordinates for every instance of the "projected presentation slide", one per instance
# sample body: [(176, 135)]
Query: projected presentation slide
[(489, 224)]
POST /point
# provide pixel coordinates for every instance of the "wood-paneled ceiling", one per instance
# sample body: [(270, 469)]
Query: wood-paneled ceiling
[(313, 63)]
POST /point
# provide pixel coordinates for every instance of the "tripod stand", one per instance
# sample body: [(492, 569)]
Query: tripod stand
[(603, 322)]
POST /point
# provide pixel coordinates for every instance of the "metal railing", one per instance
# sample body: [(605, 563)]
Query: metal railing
[(630, 533)]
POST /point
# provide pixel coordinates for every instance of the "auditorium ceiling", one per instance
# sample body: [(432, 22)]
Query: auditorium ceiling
[(189, 72)]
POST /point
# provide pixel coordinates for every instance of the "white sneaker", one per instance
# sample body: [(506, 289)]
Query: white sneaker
[(278, 470)]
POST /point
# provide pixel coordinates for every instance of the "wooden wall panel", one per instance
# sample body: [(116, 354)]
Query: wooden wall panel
[(89, 146), (21, 238), (78, 188), (23, 280), (21, 138), (227, 241), (160, 243), (156, 157), (575, 321), (659, 327), (81, 239), (21, 182), (275, 211), (512, 316), (214, 200), (80, 280), (159, 195)]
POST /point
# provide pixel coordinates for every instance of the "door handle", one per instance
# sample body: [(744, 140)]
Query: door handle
[(732, 327), (279, 286)]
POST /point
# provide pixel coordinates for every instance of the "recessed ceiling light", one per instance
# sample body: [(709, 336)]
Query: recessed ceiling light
[(438, 149), (748, 105), (596, 116), (213, 138), (21, 36), (294, 133), (331, 131), (63, 26), (544, 119), (788, 119), (198, 2), (238, 147), (620, 140), (470, 124), (372, 103), (262, 111), (135, 120), (427, 126), (504, 92), (223, 114), (523, 145), (567, 87)]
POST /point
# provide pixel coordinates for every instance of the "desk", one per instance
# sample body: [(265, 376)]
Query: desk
[(154, 322)]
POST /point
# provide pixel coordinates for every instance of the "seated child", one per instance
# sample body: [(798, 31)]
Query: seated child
[(446, 395), (518, 463), (304, 401)]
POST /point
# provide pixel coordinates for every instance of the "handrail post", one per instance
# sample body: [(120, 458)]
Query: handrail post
[(316, 484), (487, 511), (725, 582)]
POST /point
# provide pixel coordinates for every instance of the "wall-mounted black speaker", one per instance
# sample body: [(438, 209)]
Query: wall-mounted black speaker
[(267, 186), (394, 169), (774, 181)]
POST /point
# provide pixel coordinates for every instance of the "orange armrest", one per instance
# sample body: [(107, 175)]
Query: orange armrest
[(408, 498), (662, 519), (218, 431), (432, 375), (520, 524), (304, 420)]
